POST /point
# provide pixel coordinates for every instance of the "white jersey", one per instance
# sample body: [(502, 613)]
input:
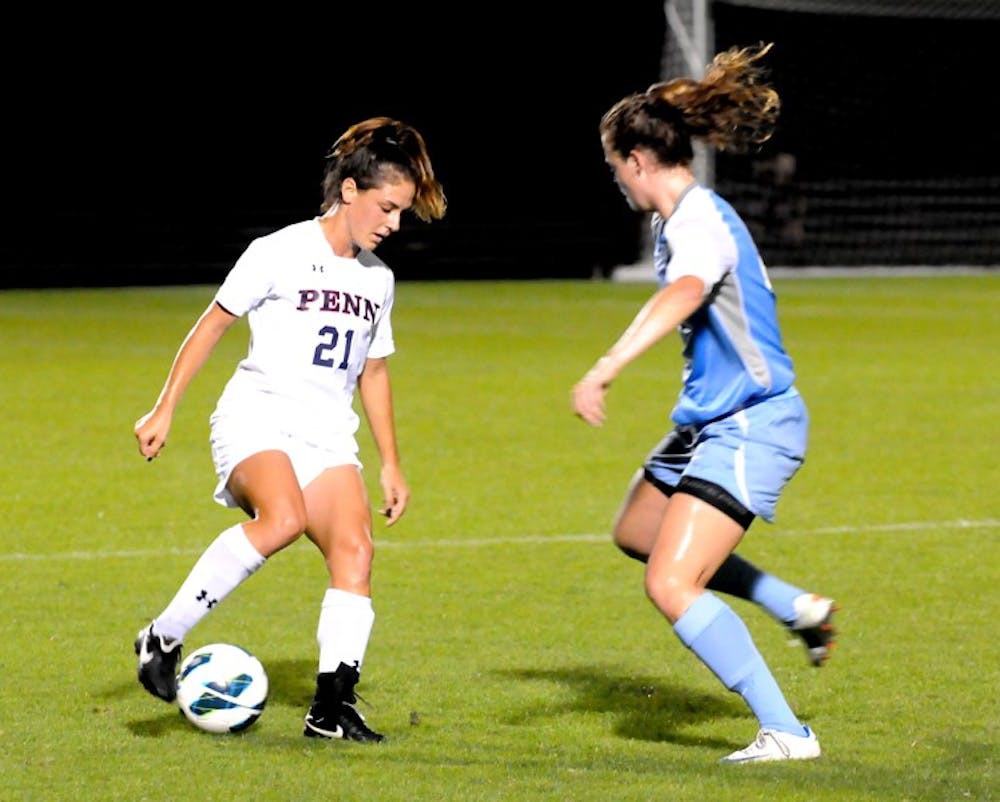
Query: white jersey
[(315, 318)]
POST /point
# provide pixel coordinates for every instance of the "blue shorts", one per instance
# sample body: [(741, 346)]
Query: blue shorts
[(750, 454)]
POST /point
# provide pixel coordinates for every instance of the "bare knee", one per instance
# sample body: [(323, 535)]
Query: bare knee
[(276, 527), (672, 594), (633, 535), (355, 549), (626, 546), (637, 523)]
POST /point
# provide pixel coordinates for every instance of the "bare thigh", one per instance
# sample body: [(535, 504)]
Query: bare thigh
[(266, 488), (694, 540), (637, 523), (339, 522)]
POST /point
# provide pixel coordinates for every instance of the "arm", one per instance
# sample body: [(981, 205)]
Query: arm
[(661, 314), (376, 398), (152, 428)]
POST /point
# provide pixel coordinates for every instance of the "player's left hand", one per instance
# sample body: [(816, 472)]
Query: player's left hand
[(395, 492)]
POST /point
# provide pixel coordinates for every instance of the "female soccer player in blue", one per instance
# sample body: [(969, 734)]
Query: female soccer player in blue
[(740, 425)]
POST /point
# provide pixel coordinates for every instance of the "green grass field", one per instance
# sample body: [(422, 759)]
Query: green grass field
[(514, 655)]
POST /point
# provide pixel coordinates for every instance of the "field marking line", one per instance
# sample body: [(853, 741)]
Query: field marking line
[(913, 526)]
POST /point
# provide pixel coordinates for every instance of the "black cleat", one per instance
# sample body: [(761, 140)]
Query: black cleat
[(158, 659), (333, 714), (339, 721)]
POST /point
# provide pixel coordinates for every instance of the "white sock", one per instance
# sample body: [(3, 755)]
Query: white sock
[(222, 566), (345, 625)]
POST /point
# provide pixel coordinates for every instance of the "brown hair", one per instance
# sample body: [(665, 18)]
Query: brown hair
[(378, 150), (732, 108)]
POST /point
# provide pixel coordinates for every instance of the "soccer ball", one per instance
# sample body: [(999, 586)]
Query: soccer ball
[(221, 688)]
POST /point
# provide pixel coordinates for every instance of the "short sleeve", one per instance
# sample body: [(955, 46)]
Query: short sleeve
[(382, 342), (696, 250), (248, 282)]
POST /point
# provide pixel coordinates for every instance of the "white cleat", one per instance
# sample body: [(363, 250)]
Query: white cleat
[(773, 745)]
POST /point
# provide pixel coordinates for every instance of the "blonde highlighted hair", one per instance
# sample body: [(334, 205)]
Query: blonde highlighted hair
[(733, 108), (382, 149)]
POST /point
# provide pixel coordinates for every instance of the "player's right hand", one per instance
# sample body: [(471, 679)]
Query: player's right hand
[(151, 432)]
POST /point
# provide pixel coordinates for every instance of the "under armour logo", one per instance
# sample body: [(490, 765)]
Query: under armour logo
[(203, 597), (317, 268)]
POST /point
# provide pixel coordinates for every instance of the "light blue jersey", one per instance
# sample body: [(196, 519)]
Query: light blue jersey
[(741, 425), (733, 352)]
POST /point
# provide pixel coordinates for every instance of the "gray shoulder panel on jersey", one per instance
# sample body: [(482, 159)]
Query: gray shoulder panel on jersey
[(368, 259)]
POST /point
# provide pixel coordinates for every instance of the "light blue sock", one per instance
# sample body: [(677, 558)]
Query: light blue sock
[(776, 596), (721, 640)]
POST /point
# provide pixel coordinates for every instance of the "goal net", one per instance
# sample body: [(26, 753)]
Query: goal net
[(885, 152)]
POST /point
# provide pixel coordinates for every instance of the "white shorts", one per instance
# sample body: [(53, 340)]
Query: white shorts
[(233, 439)]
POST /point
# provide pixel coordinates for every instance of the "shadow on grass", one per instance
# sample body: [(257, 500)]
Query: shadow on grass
[(647, 709), (291, 682), (169, 720)]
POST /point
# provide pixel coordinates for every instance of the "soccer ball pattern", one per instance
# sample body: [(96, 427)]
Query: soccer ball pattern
[(222, 688)]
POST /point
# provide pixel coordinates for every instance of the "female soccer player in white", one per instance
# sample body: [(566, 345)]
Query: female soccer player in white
[(319, 306), (740, 425)]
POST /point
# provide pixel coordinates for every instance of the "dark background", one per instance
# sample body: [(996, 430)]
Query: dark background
[(154, 154), (152, 149)]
